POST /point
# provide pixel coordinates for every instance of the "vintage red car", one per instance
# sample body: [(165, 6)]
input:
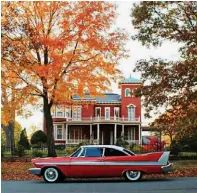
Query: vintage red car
[(101, 161)]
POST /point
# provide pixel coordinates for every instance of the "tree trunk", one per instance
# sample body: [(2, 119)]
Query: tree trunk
[(9, 132), (12, 124), (49, 128)]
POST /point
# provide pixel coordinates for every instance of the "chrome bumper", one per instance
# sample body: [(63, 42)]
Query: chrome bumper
[(167, 169), (36, 171)]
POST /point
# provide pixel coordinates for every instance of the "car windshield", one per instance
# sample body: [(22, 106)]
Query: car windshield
[(76, 153)]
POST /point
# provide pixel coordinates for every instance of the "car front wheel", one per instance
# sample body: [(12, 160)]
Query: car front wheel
[(133, 175), (51, 175)]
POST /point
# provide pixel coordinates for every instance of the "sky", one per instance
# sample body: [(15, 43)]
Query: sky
[(169, 50)]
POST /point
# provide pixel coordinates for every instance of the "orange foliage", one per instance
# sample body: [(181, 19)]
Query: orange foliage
[(57, 49)]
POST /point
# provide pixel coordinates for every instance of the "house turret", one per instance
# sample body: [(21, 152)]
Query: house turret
[(130, 104)]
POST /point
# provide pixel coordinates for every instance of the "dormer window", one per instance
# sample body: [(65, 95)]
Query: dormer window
[(127, 92)]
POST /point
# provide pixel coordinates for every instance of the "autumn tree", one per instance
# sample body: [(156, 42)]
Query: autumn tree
[(170, 83), (61, 49), (13, 101), (167, 124)]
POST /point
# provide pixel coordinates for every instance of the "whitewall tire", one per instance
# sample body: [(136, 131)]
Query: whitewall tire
[(133, 175), (51, 175)]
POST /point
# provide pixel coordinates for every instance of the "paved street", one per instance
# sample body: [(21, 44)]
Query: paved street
[(175, 185)]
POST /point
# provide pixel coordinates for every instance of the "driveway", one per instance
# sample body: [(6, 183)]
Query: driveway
[(171, 185)]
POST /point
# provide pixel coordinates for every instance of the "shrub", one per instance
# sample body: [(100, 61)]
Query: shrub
[(136, 148), (154, 144), (19, 151), (60, 147), (38, 138), (189, 143), (121, 142), (175, 148), (37, 153), (70, 150), (83, 143), (24, 140), (2, 150)]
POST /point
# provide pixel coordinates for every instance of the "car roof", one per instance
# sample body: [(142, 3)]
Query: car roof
[(104, 146)]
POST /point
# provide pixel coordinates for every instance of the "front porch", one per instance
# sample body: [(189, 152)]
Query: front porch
[(96, 133)]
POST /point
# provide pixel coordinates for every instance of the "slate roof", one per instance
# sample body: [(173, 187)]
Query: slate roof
[(107, 98), (130, 80)]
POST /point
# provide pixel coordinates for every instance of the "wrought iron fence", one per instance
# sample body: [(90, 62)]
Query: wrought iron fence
[(63, 150)]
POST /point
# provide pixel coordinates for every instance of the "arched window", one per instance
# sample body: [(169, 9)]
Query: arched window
[(127, 92), (131, 112)]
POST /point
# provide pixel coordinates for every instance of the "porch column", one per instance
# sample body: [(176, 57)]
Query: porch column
[(98, 134), (122, 134), (115, 133), (91, 137), (140, 134), (66, 137)]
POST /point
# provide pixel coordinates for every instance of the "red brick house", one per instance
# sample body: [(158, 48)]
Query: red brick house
[(102, 120)]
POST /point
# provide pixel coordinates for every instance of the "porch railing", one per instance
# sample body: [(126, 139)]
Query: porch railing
[(95, 141), (77, 141), (104, 119), (132, 141)]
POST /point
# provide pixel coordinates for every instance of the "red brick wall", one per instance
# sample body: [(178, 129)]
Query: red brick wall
[(130, 100), (88, 110)]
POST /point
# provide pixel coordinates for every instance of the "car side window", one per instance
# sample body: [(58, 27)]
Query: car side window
[(114, 152), (94, 152)]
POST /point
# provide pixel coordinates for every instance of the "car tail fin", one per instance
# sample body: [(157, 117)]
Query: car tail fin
[(163, 160)]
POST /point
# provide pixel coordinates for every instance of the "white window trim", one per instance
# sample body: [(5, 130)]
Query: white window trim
[(116, 108), (96, 109), (105, 113), (131, 105), (58, 110), (73, 110), (68, 109), (125, 92), (56, 131)]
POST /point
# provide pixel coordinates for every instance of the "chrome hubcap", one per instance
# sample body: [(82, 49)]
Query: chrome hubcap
[(51, 174), (133, 174)]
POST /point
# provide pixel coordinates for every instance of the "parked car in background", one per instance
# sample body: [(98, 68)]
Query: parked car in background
[(101, 161)]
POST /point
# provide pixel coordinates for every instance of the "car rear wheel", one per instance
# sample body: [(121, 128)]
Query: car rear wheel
[(51, 175), (133, 175)]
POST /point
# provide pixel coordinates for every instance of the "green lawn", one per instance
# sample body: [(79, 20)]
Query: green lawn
[(185, 164), (188, 153)]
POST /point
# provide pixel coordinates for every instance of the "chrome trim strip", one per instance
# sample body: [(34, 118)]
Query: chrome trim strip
[(36, 171), (102, 163)]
